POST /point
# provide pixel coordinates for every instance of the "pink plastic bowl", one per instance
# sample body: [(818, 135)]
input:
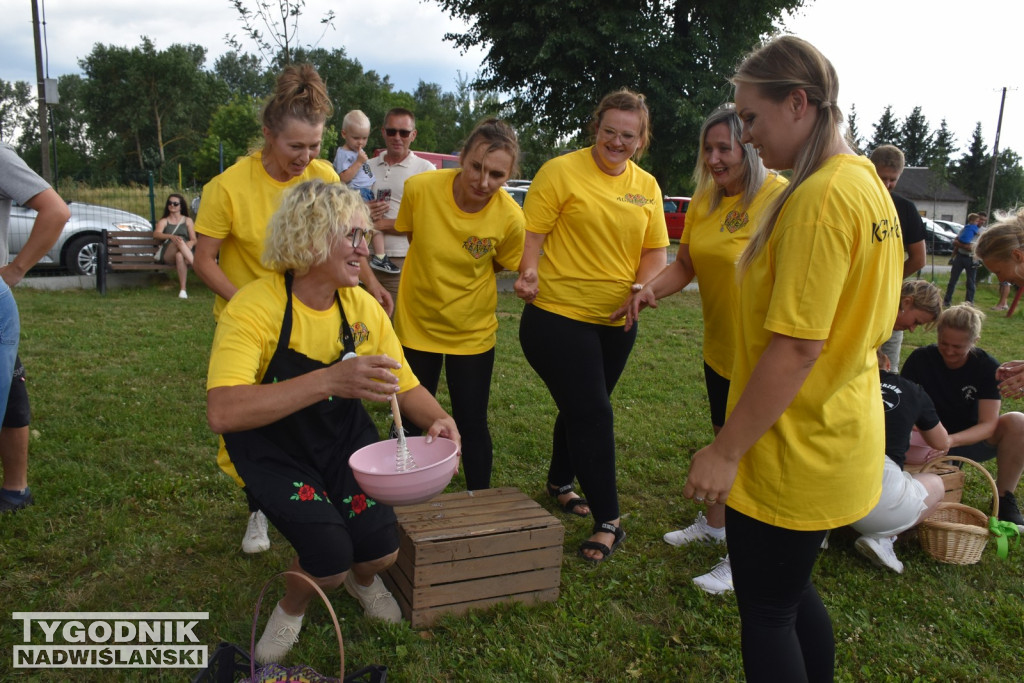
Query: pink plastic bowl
[(917, 453), (374, 468)]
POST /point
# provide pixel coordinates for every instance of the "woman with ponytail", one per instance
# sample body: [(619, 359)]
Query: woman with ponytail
[(819, 290), (238, 203)]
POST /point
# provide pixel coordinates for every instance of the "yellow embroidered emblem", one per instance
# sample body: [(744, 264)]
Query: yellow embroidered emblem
[(735, 220), (478, 247), (359, 333)]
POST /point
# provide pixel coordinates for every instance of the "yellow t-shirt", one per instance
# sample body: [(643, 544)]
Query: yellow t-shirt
[(716, 240), (830, 271), (596, 226), (236, 208), (447, 294), (247, 334)]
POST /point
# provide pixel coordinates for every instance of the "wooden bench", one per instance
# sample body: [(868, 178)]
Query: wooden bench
[(123, 250)]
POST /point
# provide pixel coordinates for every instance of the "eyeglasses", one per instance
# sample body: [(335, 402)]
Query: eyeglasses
[(392, 132), (358, 234), (173, 203)]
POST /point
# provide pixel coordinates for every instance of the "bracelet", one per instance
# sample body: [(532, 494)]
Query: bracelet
[(636, 287)]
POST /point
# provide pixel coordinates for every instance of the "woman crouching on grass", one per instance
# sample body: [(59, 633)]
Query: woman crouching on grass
[(965, 383), (819, 290), (287, 376)]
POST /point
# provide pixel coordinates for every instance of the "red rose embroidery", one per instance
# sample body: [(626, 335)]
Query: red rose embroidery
[(358, 503), (307, 493)]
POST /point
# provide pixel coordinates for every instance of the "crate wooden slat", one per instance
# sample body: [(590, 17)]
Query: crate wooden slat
[(471, 550)]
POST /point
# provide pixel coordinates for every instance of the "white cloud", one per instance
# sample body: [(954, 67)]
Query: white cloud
[(949, 58)]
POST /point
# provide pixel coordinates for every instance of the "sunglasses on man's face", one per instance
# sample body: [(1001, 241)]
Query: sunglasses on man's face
[(392, 132)]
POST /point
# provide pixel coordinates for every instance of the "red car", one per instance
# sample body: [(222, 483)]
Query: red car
[(675, 215)]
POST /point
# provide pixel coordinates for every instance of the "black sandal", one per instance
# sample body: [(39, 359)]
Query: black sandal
[(570, 505), (606, 552)]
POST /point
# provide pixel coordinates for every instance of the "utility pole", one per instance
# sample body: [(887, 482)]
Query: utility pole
[(42, 109), (995, 157)]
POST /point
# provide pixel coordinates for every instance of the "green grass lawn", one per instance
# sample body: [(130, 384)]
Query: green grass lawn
[(132, 514)]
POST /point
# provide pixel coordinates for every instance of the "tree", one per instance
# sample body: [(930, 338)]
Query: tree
[(915, 139), (140, 101), (17, 109), (886, 131), (236, 127), (852, 131), (971, 173), (943, 147), (1008, 193), (557, 59), (280, 22), (243, 75)]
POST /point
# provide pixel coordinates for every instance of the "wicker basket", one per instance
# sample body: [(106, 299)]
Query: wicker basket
[(951, 475), (956, 533)]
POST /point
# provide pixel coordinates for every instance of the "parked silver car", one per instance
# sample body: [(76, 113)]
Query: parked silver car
[(78, 245), (518, 192)]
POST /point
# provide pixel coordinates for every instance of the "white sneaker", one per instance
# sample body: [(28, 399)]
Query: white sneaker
[(880, 552), (718, 580), (700, 530), (183, 294), (377, 602), (281, 633), (256, 539)]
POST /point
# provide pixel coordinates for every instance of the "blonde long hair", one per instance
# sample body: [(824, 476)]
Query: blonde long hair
[(777, 69), (1000, 240), (754, 172)]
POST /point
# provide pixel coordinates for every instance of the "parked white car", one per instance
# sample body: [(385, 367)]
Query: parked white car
[(78, 245)]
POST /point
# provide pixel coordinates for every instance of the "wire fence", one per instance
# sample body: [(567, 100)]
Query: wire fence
[(135, 205)]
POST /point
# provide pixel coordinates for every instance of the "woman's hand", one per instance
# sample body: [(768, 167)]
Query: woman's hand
[(382, 296), (1011, 379), (368, 378), (711, 476), (640, 299), (445, 428), (527, 285)]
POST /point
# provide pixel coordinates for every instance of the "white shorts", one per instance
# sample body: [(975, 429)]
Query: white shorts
[(902, 502)]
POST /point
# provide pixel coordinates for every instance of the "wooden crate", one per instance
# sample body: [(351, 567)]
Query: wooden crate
[(473, 549)]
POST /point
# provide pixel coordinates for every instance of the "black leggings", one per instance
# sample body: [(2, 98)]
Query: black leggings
[(580, 364), (786, 631), (469, 387)]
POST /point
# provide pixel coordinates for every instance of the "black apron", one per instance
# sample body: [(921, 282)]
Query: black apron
[(297, 468)]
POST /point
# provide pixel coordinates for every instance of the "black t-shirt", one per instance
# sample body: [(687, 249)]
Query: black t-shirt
[(911, 225), (906, 404), (955, 392)]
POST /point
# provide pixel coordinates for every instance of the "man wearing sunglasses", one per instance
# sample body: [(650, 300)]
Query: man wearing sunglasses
[(390, 171)]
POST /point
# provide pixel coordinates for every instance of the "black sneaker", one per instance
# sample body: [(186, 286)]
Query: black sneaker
[(384, 265), (16, 502), (1008, 510)]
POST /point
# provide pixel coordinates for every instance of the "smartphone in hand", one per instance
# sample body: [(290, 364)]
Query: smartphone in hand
[(384, 194)]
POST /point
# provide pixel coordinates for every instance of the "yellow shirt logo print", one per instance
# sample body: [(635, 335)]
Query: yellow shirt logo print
[(478, 247)]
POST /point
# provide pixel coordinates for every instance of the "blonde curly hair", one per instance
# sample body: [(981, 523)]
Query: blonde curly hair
[(312, 216)]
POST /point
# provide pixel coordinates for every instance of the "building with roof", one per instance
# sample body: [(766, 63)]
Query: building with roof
[(933, 196)]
